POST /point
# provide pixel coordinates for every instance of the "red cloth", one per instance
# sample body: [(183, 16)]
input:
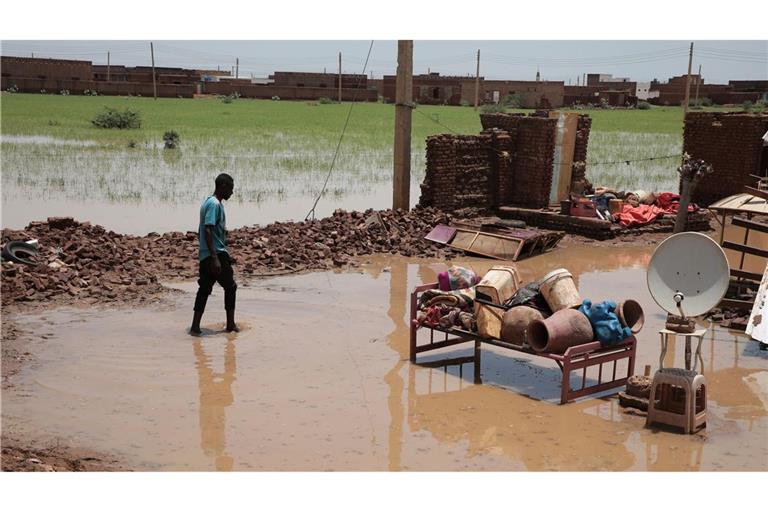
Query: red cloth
[(670, 203), (638, 215)]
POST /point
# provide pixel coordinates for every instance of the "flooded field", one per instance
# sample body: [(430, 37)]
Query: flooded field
[(144, 188), (319, 379)]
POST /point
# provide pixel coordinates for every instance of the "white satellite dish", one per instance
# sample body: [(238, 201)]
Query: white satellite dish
[(688, 274)]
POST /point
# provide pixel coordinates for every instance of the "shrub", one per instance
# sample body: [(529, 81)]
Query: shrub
[(114, 118), (90, 92), (747, 105), (513, 101), (64, 92), (275, 98), (491, 108), (226, 99), (171, 139), (13, 88), (325, 100), (131, 144), (706, 102), (464, 103), (643, 105), (380, 99)]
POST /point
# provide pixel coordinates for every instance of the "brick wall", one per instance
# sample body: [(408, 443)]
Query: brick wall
[(534, 156), (732, 143), (579, 182), (458, 172), (51, 69), (33, 85), (288, 93), (509, 162)]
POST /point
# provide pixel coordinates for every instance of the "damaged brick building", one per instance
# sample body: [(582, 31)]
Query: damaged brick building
[(732, 142), (511, 162)]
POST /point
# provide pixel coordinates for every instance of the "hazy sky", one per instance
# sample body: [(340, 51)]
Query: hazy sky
[(515, 60)]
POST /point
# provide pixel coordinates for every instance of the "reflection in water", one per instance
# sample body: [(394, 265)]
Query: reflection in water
[(215, 396), (398, 279)]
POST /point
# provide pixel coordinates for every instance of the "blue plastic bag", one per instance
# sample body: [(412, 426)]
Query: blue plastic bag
[(605, 323)]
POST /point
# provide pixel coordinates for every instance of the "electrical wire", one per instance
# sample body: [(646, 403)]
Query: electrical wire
[(591, 164), (341, 136)]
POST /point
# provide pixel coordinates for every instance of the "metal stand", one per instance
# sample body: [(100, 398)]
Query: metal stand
[(699, 334)]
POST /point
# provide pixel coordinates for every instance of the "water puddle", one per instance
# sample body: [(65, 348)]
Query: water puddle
[(45, 140), (319, 379)]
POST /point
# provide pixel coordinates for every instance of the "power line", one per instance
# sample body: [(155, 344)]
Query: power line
[(341, 136)]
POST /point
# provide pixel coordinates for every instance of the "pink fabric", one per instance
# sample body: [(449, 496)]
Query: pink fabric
[(638, 215)]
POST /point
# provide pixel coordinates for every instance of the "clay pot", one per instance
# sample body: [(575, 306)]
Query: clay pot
[(631, 315), (515, 324), (565, 328)]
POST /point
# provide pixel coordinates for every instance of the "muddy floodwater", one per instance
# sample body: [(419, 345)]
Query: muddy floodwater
[(319, 379)]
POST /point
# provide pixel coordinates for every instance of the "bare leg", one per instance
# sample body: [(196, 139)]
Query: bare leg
[(231, 325), (195, 329)]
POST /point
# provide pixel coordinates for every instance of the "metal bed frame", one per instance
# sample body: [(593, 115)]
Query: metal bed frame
[(579, 357)]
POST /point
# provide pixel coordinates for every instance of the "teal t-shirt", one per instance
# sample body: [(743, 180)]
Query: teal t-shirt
[(212, 214)]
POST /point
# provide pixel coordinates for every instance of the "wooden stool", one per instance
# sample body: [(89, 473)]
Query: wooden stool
[(667, 406)]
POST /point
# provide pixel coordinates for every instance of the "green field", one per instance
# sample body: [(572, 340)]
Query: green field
[(371, 123), (279, 150)]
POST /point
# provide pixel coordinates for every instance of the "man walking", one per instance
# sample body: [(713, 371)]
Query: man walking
[(215, 264)]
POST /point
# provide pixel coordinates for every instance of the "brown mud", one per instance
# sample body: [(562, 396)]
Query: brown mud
[(319, 379)]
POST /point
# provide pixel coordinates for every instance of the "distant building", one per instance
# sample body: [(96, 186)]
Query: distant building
[(672, 92), (530, 94), (644, 91), (428, 89), (322, 80)]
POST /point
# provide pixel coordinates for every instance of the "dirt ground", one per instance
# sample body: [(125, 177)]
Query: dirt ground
[(20, 452)]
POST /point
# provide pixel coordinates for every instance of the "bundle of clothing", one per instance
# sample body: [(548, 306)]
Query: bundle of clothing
[(640, 207), (453, 303)]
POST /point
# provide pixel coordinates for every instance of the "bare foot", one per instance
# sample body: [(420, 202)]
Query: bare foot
[(232, 328)]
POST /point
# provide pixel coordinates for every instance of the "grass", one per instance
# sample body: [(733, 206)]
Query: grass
[(277, 149), (371, 123)]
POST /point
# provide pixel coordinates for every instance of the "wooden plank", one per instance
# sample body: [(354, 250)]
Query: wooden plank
[(735, 303), (743, 274), (750, 224), (757, 326), (491, 245), (745, 249), (755, 192), (570, 126)]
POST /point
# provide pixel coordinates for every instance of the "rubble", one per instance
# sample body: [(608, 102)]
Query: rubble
[(83, 262)]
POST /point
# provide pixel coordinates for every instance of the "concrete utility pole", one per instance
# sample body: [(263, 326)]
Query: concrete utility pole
[(688, 83), (237, 67), (154, 82), (698, 82), (401, 182), (477, 81), (339, 77), (107, 66)]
